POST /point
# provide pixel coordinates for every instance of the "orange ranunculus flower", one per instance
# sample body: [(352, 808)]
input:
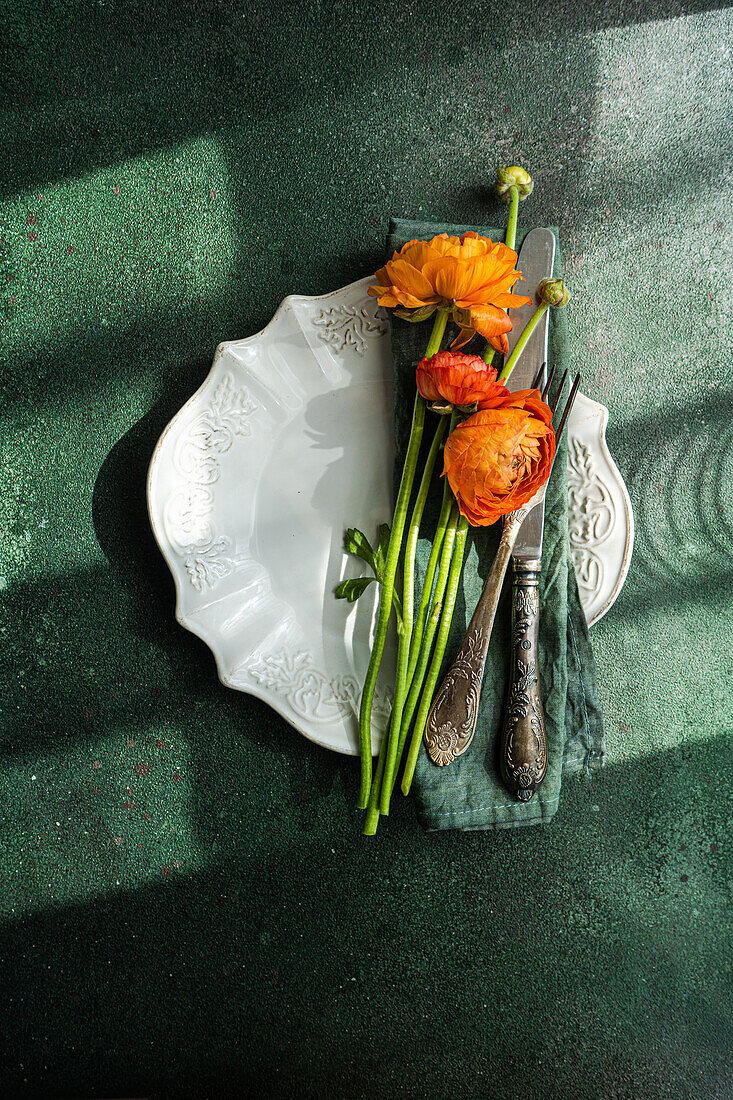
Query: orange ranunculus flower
[(470, 275), (498, 458), (450, 378)]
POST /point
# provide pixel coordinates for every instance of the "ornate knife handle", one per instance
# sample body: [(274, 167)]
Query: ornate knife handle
[(523, 748), (451, 723)]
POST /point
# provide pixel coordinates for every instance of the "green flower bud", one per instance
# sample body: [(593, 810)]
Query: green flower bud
[(553, 292), (513, 177)]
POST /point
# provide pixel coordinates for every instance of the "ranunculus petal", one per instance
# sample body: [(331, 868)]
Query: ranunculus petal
[(408, 279), (497, 459), (465, 334), (490, 320), (419, 253), (510, 301), (449, 278), (384, 296), (392, 296), (472, 245), (443, 244), (410, 301), (458, 380), (499, 343), (487, 276)]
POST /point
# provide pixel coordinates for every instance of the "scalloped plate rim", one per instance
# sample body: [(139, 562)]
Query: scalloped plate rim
[(628, 513), (270, 698)]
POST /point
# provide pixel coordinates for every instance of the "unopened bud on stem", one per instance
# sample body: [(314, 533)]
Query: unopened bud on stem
[(553, 292), (507, 178)]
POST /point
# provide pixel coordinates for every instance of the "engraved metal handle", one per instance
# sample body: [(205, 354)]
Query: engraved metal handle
[(523, 748), (451, 723)]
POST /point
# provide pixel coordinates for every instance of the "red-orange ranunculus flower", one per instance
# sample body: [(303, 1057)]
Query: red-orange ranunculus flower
[(451, 378), (498, 458), (470, 275)]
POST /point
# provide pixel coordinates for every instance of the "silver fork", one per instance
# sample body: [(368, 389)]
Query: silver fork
[(451, 722)]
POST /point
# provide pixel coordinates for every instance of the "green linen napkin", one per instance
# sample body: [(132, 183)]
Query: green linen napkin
[(469, 794)]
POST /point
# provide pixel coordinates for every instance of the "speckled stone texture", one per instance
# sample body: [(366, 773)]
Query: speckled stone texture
[(187, 908)]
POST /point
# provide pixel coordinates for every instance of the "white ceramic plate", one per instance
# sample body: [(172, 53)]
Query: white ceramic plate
[(288, 442)]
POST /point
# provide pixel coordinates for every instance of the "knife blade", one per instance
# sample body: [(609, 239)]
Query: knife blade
[(536, 260)]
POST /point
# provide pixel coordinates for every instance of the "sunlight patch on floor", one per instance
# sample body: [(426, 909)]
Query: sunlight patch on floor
[(103, 251)]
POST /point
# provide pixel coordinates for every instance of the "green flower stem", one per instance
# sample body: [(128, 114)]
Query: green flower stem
[(440, 644), (427, 590), (510, 241), (408, 603), (385, 601), (441, 320), (422, 640), (426, 641), (511, 224), (390, 570), (521, 342), (372, 815)]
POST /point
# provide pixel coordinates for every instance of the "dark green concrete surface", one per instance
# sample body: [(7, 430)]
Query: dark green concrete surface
[(186, 905)]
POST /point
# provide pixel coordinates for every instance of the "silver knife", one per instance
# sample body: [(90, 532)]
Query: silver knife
[(451, 722), (523, 745), (536, 261)]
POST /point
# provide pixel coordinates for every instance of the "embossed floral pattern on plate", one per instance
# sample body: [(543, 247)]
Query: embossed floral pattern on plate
[(196, 457), (600, 520), (346, 326)]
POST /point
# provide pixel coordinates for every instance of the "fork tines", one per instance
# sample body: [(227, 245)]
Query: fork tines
[(568, 404), (546, 389), (538, 377), (560, 388)]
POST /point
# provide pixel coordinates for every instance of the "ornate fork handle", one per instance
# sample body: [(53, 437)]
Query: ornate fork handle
[(451, 722)]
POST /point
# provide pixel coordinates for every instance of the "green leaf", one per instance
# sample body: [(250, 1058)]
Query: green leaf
[(415, 316), (356, 543), (352, 589), (380, 554)]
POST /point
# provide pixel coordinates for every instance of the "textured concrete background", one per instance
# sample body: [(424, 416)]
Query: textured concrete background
[(186, 905)]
